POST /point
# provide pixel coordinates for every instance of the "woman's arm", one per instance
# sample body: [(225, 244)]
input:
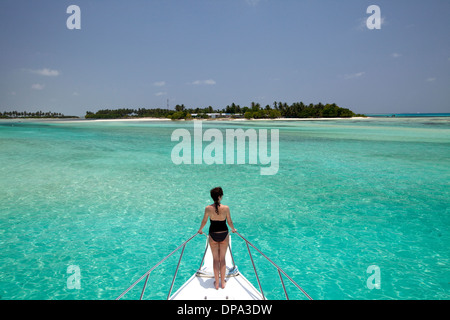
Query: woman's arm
[(230, 222), (205, 219)]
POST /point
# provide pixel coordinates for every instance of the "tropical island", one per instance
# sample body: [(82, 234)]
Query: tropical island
[(33, 115), (278, 110), (233, 111)]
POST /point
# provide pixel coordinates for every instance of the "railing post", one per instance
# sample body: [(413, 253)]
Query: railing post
[(282, 282), (145, 285), (176, 271), (254, 268), (273, 263), (154, 267), (204, 254), (231, 254)]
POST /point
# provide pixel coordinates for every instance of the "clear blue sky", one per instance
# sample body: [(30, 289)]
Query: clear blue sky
[(139, 53)]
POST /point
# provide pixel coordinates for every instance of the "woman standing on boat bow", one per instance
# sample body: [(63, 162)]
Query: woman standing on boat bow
[(219, 215)]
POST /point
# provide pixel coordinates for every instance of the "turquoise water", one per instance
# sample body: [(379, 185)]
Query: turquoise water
[(409, 115), (106, 197)]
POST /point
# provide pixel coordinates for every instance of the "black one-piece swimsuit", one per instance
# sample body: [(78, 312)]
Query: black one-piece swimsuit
[(218, 230)]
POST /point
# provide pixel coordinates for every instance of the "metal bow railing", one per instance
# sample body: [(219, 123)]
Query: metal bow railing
[(147, 274), (183, 246), (280, 271)]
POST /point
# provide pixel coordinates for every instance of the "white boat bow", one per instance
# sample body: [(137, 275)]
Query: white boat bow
[(201, 285)]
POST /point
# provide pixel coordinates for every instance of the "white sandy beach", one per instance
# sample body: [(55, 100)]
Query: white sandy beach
[(226, 119), (166, 119)]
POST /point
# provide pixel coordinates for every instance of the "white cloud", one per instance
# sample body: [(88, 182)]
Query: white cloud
[(160, 94), (208, 82), (431, 79), (362, 23), (46, 72), (396, 55), (353, 75), (37, 86), (159, 83)]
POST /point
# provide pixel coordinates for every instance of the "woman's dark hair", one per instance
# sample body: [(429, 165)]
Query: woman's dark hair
[(215, 194)]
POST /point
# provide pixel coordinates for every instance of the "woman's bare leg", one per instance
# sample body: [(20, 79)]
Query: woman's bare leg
[(223, 246), (216, 261)]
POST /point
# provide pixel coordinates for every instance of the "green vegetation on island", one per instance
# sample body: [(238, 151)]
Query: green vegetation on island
[(27, 115), (255, 111)]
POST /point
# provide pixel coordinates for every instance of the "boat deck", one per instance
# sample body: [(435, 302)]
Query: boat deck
[(201, 285), (200, 288)]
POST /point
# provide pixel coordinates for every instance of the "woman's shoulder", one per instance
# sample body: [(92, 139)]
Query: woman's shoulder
[(212, 208)]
